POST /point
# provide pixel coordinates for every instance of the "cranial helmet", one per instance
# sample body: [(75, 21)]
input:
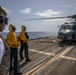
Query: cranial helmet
[(23, 28), (3, 15), (12, 27)]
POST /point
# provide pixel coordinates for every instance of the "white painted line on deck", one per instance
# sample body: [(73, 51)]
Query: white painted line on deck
[(69, 58), (56, 57), (51, 54), (41, 52)]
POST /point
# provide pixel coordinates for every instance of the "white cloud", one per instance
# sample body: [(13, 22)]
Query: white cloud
[(67, 6), (25, 10), (48, 13)]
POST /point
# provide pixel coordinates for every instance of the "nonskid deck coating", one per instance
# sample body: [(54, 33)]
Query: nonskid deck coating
[(41, 51)]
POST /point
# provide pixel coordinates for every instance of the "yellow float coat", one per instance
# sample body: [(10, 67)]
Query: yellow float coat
[(23, 37), (12, 40)]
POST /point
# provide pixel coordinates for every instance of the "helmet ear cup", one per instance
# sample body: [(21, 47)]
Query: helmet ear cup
[(2, 19), (13, 28)]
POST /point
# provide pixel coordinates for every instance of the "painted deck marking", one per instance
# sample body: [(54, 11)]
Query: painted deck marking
[(51, 54), (56, 57), (42, 52)]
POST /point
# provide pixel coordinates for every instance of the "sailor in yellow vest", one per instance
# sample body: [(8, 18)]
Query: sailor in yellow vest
[(23, 36), (14, 44)]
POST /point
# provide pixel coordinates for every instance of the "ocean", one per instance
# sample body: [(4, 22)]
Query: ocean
[(35, 35)]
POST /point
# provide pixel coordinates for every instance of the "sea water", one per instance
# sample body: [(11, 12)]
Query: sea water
[(35, 35)]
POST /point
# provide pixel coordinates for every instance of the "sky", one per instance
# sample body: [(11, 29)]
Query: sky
[(20, 10)]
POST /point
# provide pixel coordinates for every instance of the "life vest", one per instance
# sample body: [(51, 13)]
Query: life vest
[(23, 37), (12, 40)]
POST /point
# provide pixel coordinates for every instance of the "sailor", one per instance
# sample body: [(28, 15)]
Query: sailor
[(4, 48), (23, 36), (14, 44)]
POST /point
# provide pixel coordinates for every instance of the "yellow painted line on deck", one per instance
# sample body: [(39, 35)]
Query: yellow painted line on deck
[(41, 52)]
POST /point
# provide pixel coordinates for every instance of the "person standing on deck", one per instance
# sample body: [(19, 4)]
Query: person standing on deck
[(14, 44), (4, 48), (23, 36)]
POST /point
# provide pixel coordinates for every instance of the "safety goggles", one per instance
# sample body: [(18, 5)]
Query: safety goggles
[(6, 20)]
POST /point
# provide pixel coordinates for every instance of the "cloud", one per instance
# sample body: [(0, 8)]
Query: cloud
[(48, 13), (25, 10), (67, 6)]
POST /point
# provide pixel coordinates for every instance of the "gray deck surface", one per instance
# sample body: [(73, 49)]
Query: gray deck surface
[(49, 56)]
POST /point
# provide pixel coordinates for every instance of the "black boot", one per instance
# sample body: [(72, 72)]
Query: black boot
[(28, 60), (18, 73)]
